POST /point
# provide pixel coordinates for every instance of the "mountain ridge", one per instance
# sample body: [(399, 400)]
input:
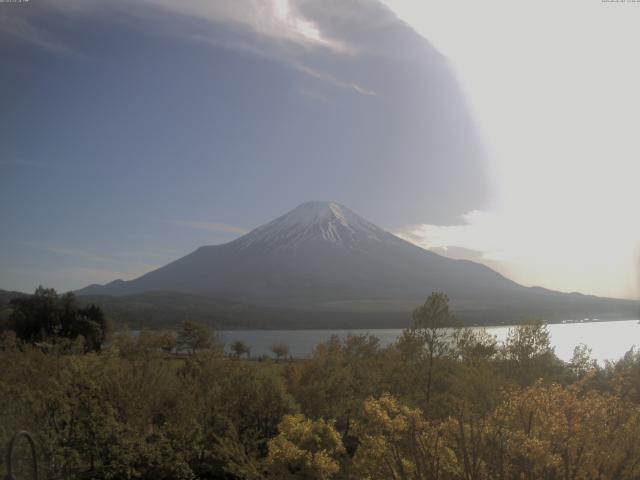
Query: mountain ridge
[(322, 253)]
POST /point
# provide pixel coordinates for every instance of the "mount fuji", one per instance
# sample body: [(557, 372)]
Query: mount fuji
[(322, 257)]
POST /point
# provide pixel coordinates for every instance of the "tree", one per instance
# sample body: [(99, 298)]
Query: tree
[(90, 323), (305, 448), (280, 350), (46, 315), (337, 378), (559, 433), (398, 442), (240, 348), (581, 361), (429, 322), (35, 317), (194, 337), (528, 341), (529, 353), (472, 345), (154, 341), (226, 413)]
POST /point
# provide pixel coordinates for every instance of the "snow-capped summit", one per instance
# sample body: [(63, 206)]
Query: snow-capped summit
[(316, 222)]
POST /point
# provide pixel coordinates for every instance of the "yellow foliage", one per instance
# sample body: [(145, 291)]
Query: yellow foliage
[(305, 448), (398, 442)]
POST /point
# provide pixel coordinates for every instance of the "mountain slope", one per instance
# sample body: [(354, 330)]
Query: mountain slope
[(319, 251), (321, 255)]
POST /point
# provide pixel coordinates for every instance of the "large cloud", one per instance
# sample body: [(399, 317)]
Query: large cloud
[(395, 140), (230, 112)]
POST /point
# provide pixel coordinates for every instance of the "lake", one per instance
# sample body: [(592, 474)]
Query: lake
[(608, 340)]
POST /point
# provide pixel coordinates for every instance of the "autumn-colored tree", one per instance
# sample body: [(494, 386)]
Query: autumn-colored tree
[(305, 449), (398, 442)]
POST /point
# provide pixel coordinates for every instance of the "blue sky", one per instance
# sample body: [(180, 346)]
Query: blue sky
[(133, 132)]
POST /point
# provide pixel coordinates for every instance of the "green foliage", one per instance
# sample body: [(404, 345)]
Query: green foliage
[(240, 348), (529, 354), (528, 341), (339, 377), (473, 346), (581, 362), (46, 316), (429, 322)]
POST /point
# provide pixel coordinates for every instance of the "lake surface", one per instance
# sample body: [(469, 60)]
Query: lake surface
[(608, 340)]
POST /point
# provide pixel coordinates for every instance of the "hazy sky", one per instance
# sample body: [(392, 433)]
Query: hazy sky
[(554, 88), (132, 132)]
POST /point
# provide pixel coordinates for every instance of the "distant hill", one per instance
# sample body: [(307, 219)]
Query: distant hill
[(6, 296), (322, 265), (168, 309)]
